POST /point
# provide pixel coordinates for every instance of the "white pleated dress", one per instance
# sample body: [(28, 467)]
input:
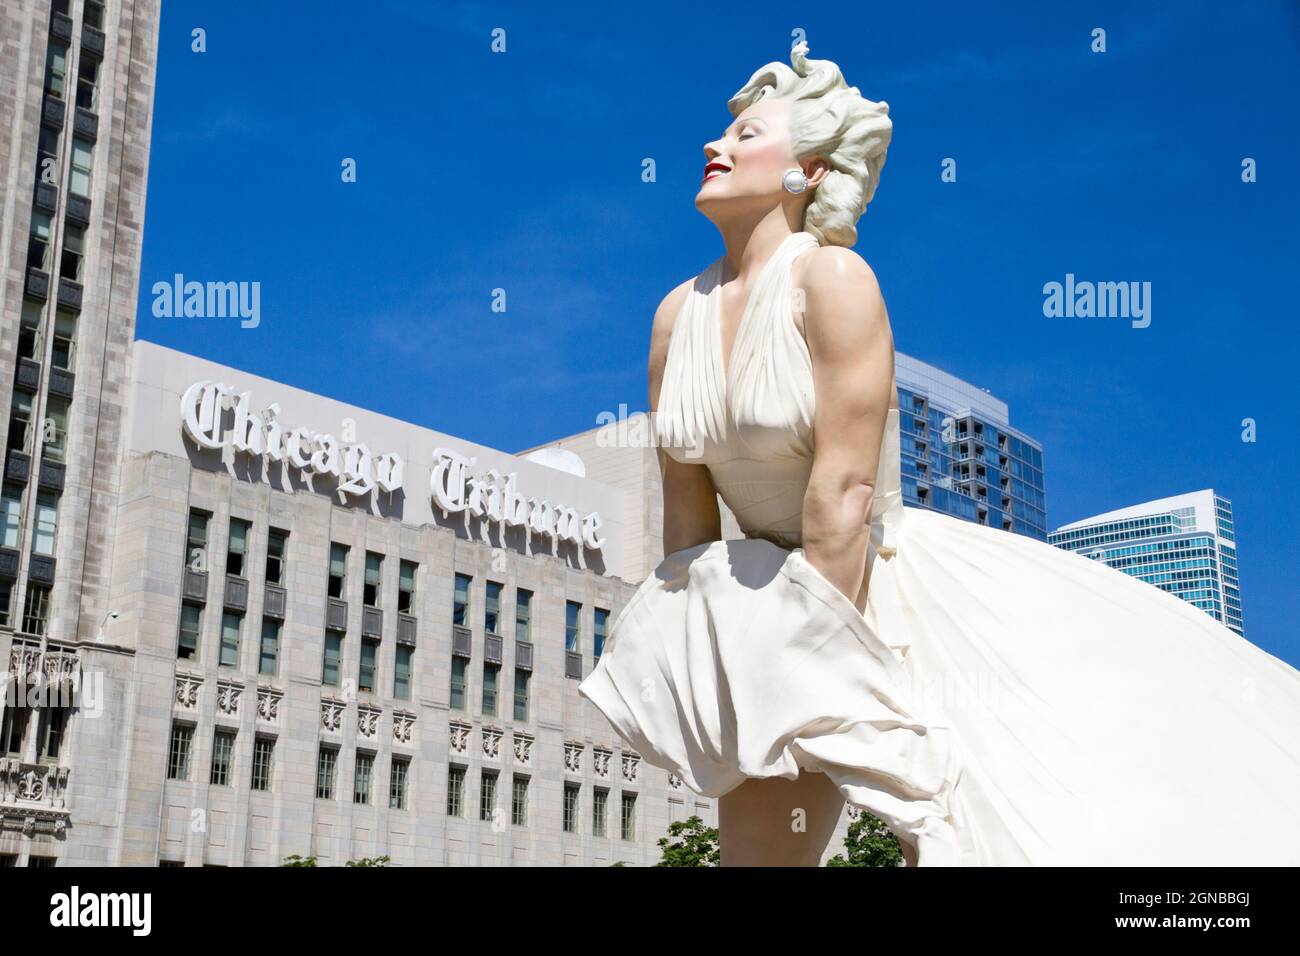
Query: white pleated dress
[(1000, 702)]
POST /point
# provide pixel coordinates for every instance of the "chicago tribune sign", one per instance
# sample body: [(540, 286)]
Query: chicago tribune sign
[(215, 416)]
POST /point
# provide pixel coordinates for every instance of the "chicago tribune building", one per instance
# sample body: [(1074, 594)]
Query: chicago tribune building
[(243, 621)]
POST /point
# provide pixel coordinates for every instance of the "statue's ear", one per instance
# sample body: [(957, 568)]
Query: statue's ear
[(816, 170)]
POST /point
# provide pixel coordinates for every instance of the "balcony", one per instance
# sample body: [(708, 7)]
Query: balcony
[(85, 124), (524, 655), (62, 382), (236, 594), (492, 648), (38, 284), (195, 585), (52, 111), (274, 600), (407, 627), (33, 796), (18, 466), (336, 615), (573, 665), (51, 475), (47, 196), (70, 294), (41, 569), (372, 622), (28, 374), (462, 641)]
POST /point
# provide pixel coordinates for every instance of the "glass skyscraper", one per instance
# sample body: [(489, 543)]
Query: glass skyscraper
[(1185, 545), (961, 456)]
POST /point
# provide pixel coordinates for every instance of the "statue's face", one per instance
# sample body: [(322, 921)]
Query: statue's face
[(743, 168)]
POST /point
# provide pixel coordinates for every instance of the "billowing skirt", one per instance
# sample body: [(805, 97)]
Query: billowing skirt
[(1000, 702)]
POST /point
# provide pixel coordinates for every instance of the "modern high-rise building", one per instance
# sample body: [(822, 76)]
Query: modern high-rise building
[(961, 456), (1185, 545)]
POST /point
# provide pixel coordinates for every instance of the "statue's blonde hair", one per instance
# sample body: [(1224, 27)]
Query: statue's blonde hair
[(832, 119)]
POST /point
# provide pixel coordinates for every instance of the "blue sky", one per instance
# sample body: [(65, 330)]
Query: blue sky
[(522, 171)]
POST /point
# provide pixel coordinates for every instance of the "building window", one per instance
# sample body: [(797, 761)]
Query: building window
[(519, 802), (20, 421), (598, 635), (8, 860), (402, 672), (74, 252), (458, 683), (56, 71), (237, 547), (338, 570), (492, 609), (29, 329), (523, 614), (92, 14), (269, 659), (88, 84), (187, 641), (178, 756), (55, 433), (361, 777), (223, 756), (397, 774), (263, 760), (230, 625), (629, 816), (491, 673), (6, 602), (571, 791), (333, 658), (277, 544), (572, 619), (460, 604), (366, 671), (50, 731), (455, 791), (374, 579), (599, 803), (196, 541), (79, 182), (487, 794), (15, 729), (326, 764), (406, 587), (41, 860), (36, 610), (11, 515), (38, 243), (521, 693), (47, 158), (47, 523)]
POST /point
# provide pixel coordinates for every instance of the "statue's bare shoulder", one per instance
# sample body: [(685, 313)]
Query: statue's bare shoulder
[(661, 333)]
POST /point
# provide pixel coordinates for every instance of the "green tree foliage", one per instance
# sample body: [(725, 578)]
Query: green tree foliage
[(868, 843), (297, 860), (690, 843)]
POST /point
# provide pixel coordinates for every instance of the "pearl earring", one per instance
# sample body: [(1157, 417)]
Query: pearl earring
[(794, 181)]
